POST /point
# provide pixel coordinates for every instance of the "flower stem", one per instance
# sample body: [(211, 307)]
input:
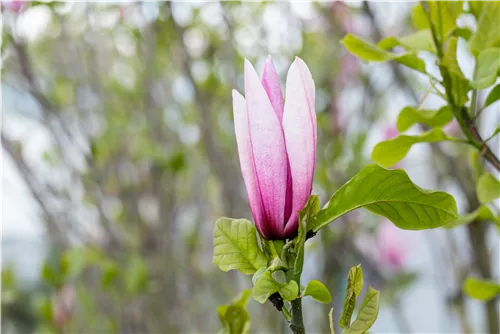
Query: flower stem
[(297, 322)]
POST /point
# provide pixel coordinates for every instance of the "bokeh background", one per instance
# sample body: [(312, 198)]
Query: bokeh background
[(119, 154)]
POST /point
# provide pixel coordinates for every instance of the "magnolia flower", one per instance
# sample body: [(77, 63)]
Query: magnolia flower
[(276, 145)]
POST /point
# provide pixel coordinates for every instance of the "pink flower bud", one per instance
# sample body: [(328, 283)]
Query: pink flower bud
[(276, 145)]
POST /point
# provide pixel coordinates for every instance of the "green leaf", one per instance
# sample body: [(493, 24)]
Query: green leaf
[(353, 290), (349, 305), (418, 18), (73, 262), (136, 275), (488, 64), (410, 116), (493, 96), (306, 219), (481, 213), (419, 41), (317, 291), (497, 131), (242, 298), (389, 152), (488, 28), (481, 289), (355, 279), (370, 52), (277, 264), (488, 188), (367, 314), (51, 275), (455, 80), (234, 317), (476, 8), (257, 274), (465, 33), (44, 308), (110, 273), (444, 16), (266, 285), (390, 193), (289, 291), (236, 247)]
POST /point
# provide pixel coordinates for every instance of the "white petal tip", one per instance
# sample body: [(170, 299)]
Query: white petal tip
[(236, 94)]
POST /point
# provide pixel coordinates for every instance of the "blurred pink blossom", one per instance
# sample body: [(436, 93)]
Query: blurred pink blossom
[(393, 245), (390, 132), (14, 6), (63, 305), (453, 128), (342, 16)]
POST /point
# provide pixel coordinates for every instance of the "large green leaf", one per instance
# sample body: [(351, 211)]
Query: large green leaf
[(419, 41), (487, 67), (389, 152), (481, 213), (234, 317), (410, 116), (488, 188), (367, 313), (266, 285), (390, 193), (317, 291), (493, 96), (488, 28), (455, 80), (481, 289), (236, 247), (370, 52)]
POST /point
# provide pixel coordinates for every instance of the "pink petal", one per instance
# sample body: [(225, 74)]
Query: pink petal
[(246, 162), (299, 125), (269, 152), (390, 132), (271, 82)]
